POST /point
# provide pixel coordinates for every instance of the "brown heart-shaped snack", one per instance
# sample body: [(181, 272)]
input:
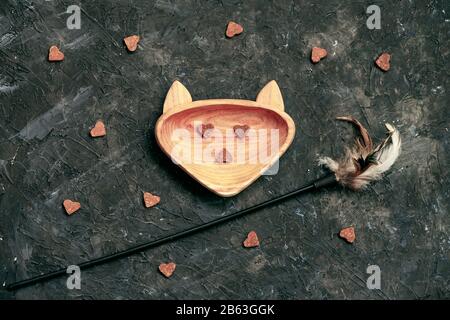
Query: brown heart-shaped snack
[(233, 29), (252, 240), (205, 130), (150, 200), (71, 206), (348, 234), (98, 130), (167, 269), (383, 61), (240, 131), (131, 42), (54, 54), (223, 156), (318, 54)]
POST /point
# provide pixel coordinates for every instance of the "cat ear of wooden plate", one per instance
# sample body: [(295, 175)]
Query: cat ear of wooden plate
[(178, 96), (230, 179)]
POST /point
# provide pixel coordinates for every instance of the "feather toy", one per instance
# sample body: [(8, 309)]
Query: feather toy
[(363, 163)]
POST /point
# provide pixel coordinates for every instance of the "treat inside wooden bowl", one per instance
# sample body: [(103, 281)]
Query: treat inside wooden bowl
[(224, 144)]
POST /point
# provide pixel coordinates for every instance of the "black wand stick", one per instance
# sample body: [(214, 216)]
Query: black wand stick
[(325, 181)]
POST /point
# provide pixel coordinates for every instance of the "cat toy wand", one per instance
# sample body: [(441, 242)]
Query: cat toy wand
[(362, 164)]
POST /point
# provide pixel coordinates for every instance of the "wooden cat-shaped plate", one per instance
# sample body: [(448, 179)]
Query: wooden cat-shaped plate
[(225, 144)]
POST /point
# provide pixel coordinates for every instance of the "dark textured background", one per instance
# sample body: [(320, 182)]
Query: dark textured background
[(46, 155)]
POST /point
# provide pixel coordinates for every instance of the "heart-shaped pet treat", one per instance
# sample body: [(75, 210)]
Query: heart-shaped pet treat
[(54, 54), (71, 206), (167, 269), (224, 156), (240, 131), (99, 130), (132, 42), (233, 29), (205, 130), (318, 54), (150, 200), (230, 159), (348, 234), (252, 240), (383, 61)]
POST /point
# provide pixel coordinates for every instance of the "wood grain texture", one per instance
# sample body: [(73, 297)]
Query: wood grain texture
[(271, 133), (177, 95), (271, 95)]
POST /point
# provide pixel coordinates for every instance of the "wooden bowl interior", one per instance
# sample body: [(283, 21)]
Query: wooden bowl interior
[(224, 118)]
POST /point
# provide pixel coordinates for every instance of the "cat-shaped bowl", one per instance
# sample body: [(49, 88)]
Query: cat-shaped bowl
[(225, 144)]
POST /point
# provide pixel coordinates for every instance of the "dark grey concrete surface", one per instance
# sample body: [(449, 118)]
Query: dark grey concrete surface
[(46, 111)]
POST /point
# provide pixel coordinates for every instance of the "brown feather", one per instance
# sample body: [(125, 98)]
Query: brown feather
[(363, 163)]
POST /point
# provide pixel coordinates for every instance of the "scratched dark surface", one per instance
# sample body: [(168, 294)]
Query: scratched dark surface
[(46, 112)]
